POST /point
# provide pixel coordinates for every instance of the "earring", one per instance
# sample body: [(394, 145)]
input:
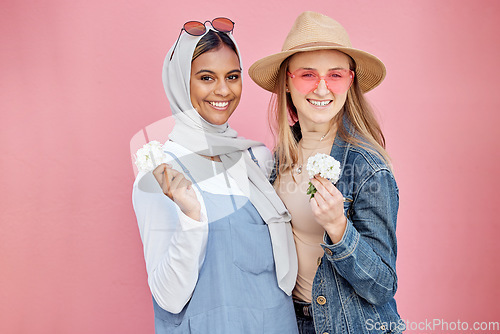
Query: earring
[(287, 90)]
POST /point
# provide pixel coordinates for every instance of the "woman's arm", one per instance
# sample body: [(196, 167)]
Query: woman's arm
[(366, 253), (174, 244)]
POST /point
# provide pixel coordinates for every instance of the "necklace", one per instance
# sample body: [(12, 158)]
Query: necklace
[(298, 170)]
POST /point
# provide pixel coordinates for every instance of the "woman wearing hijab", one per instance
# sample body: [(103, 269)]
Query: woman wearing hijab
[(346, 234), (219, 252)]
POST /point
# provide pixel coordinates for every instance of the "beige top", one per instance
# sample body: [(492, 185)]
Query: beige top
[(308, 234)]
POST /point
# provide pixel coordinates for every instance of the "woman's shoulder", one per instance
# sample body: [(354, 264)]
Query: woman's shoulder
[(173, 149), (262, 152), (363, 153), (264, 158), (182, 159), (364, 161), (366, 154), (363, 165)]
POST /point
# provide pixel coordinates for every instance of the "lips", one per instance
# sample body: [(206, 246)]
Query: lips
[(319, 103), (219, 105)]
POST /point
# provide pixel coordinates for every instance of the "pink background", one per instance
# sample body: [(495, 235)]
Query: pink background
[(80, 78)]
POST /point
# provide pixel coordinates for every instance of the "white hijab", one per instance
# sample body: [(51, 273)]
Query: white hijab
[(197, 135)]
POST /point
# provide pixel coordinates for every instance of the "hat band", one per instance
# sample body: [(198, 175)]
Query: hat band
[(307, 45)]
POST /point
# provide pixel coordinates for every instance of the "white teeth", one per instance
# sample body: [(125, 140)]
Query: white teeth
[(219, 104), (319, 103)]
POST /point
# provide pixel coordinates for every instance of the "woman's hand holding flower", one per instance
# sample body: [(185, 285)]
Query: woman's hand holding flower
[(328, 208), (178, 189), (327, 202), (150, 157)]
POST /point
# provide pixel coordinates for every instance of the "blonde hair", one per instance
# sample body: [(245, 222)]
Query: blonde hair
[(283, 114)]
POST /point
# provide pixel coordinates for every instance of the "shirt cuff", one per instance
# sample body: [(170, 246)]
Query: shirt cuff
[(344, 247)]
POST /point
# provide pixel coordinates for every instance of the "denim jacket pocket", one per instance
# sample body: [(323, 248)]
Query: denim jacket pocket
[(251, 246)]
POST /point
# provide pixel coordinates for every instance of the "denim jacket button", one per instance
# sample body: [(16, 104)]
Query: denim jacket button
[(328, 251), (321, 300), (382, 327)]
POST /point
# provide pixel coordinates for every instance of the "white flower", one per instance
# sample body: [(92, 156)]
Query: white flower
[(150, 156), (324, 165)]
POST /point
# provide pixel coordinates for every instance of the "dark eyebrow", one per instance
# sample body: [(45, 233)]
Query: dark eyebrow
[(212, 72), (201, 71)]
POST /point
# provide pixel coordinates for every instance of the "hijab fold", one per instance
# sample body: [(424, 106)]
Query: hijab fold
[(202, 137)]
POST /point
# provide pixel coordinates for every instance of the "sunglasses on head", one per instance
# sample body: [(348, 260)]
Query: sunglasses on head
[(196, 28), (337, 81)]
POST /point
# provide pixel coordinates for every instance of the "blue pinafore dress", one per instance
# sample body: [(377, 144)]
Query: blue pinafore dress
[(237, 291)]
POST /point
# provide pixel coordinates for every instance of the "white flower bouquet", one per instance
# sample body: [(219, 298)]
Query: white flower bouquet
[(150, 156), (324, 165)]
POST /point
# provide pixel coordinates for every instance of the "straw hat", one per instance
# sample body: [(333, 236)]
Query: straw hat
[(310, 32)]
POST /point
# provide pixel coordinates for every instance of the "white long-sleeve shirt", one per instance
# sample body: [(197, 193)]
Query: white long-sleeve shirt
[(174, 244)]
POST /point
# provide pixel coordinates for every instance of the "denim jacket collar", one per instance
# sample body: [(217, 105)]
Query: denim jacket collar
[(339, 151), (340, 147)]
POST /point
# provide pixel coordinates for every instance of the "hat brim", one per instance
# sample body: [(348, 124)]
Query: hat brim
[(370, 71)]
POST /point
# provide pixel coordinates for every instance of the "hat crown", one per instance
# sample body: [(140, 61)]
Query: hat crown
[(315, 28)]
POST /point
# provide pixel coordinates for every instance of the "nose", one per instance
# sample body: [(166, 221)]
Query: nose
[(321, 88), (222, 88)]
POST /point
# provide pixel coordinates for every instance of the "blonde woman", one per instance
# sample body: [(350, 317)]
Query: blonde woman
[(345, 235)]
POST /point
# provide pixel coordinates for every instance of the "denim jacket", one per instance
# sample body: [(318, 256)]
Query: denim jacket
[(354, 286)]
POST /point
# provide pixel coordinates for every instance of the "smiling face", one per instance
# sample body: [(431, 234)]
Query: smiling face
[(216, 84), (317, 108)]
